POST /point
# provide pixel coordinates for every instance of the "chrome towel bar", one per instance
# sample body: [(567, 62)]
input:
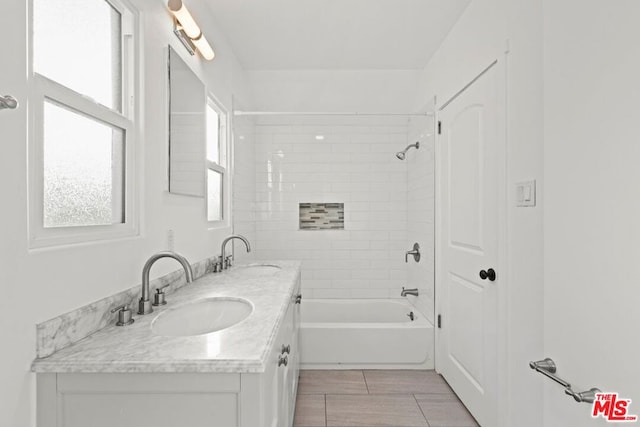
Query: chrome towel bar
[(547, 367)]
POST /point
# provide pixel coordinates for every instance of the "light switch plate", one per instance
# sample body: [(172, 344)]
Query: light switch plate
[(526, 193)]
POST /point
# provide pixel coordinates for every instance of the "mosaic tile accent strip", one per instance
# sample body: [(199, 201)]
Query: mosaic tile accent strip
[(321, 216)]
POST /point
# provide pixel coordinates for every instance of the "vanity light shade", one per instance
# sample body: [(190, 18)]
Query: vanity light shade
[(203, 47), (185, 24), (183, 16)]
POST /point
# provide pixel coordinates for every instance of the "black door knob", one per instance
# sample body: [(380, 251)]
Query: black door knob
[(488, 274)]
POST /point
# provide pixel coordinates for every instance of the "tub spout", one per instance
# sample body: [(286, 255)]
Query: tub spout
[(406, 292)]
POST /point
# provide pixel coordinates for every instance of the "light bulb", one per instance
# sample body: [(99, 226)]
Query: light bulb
[(203, 47), (185, 19)]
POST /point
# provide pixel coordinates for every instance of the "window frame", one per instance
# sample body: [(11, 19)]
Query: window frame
[(223, 167), (43, 89)]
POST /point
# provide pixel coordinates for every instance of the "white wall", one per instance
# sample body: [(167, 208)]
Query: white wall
[(421, 212), (334, 90), (525, 225), (591, 154), (354, 164), (482, 35), (38, 285)]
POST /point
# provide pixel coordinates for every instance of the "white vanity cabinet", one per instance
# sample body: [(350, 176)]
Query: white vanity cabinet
[(276, 388), (236, 399)]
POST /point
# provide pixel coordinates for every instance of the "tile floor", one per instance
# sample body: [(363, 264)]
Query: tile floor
[(394, 398)]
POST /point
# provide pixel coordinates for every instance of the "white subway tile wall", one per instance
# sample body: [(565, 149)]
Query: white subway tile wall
[(244, 184), (421, 212), (351, 163)]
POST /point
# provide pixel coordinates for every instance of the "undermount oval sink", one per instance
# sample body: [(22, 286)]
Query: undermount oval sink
[(257, 270), (202, 317)]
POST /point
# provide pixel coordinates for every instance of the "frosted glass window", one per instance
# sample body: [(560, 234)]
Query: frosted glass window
[(83, 170), (213, 135), (78, 44), (216, 161), (214, 195)]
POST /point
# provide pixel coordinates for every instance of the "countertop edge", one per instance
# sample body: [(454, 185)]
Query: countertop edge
[(174, 367)]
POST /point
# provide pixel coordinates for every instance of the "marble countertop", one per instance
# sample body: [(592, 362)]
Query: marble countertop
[(243, 347)]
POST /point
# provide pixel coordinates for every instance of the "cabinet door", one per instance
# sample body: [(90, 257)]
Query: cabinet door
[(286, 401), (161, 400), (274, 391), (271, 385), (283, 395), (294, 356)]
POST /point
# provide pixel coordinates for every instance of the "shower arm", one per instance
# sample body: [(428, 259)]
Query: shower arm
[(415, 145), (401, 154)]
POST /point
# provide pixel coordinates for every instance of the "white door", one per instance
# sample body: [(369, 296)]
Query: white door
[(469, 144)]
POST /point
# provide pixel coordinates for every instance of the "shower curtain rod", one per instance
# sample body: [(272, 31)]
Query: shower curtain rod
[(323, 113)]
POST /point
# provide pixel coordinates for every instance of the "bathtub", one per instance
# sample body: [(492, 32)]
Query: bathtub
[(364, 334)]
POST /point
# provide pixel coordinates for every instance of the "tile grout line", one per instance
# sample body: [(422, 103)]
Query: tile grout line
[(421, 411), (365, 381), (326, 421)]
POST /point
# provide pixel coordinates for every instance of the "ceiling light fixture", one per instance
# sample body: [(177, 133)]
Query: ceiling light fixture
[(189, 33)]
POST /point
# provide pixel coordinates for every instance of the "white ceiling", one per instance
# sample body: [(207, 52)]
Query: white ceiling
[(335, 34)]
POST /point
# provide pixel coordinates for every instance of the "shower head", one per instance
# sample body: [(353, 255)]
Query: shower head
[(403, 154)]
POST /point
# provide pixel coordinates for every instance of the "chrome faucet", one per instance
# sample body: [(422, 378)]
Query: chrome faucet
[(406, 292), (144, 306), (224, 262)]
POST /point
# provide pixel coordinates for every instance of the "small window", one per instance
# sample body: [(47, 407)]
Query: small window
[(82, 112), (217, 179), (214, 195), (213, 134)]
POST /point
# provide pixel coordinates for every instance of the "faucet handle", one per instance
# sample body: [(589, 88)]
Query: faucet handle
[(158, 298), (124, 315), (217, 265), (228, 261), (415, 252)]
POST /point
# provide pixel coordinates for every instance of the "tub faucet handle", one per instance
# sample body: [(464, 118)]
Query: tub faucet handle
[(415, 252)]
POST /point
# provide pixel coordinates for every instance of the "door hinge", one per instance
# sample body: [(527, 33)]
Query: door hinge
[(439, 127), (439, 321)]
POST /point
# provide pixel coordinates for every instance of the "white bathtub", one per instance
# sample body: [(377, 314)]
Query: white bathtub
[(364, 334)]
